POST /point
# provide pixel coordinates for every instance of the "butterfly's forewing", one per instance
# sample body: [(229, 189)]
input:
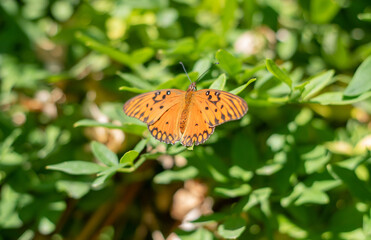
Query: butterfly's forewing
[(197, 130), (149, 107), (218, 107), (166, 128)]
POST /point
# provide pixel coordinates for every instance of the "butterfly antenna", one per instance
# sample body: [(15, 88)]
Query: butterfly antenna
[(204, 73), (185, 71)]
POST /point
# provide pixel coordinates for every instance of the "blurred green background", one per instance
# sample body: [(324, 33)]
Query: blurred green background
[(296, 166)]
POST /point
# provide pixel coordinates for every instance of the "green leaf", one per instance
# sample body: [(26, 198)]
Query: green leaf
[(288, 46), (233, 191), (132, 89), (357, 187), (315, 159), (198, 234), (228, 62), (361, 81), (277, 72), (317, 83), (169, 176), (219, 83), (322, 11), (312, 195), (239, 89), (77, 167), (142, 55), (141, 145), (135, 81), (229, 15), (5, 146), (286, 226), (232, 228), (337, 98), (103, 48), (132, 128), (129, 157), (240, 173), (213, 217), (260, 195), (269, 169), (364, 17), (74, 189), (182, 46), (104, 176), (104, 154)]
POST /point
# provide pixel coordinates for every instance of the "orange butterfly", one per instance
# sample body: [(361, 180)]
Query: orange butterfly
[(188, 116)]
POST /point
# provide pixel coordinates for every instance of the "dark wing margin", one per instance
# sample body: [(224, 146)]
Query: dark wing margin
[(166, 128), (219, 106), (197, 130), (149, 107)]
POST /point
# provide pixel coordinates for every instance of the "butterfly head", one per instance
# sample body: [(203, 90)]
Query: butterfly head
[(192, 87)]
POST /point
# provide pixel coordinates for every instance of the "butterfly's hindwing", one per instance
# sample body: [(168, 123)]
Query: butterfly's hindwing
[(149, 107), (166, 128), (219, 106), (197, 130)]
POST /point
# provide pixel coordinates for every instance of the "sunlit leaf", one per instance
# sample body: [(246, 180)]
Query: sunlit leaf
[(77, 167), (361, 81), (228, 62), (219, 83), (103, 154), (232, 228), (129, 157), (316, 84), (178, 175), (277, 72)]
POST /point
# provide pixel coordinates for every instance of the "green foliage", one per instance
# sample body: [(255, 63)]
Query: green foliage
[(296, 166)]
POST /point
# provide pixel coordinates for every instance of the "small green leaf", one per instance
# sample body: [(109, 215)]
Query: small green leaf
[(103, 48), (77, 167), (141, 145), (361, 81), (142, 55), (312, 195), (229, 15), (356, 186), (277, 72), (260, 195), (269, 169), (233, 192), (5, 146), (198, 234), (104, 154), (337, 98), (286, 226), (132, 128), (219, 83), (104, 176), (74, 189), (213, 217), (315, 159), (322, 11), (317, 83), (132, 89), (240, 173), (228, 62), (239, 89), (93, 123), (364, 17), (169, 176), (129, 157), (135, 81), (232, 228)]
